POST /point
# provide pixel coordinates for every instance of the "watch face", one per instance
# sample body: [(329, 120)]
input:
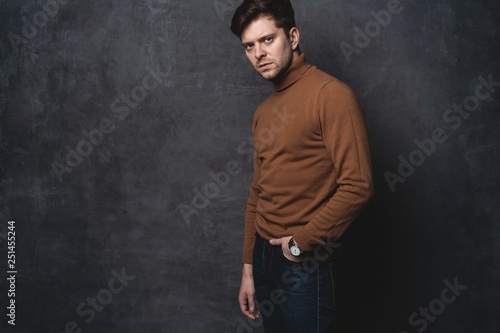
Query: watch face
[(295, 250)]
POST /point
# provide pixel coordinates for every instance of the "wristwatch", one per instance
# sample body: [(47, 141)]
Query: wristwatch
[(294, 248)]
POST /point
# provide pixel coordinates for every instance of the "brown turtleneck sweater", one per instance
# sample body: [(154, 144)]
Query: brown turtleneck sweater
[(312, 167)]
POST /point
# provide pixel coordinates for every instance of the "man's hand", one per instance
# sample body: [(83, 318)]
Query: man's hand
[(246, 297), (283, 242)]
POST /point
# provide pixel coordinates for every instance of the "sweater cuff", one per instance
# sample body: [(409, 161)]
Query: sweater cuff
[(247, 258), (304, 241), (248, 245)]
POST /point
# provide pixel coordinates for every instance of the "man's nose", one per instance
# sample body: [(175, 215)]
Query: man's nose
[(260, 52)]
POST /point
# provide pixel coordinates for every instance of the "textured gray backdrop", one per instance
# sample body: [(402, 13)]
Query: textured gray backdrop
[(119, 119)]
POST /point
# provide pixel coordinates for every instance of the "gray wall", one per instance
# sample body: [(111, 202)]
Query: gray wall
[(80, 84)]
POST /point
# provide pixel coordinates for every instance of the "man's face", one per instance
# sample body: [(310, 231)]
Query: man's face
[(268, 48)]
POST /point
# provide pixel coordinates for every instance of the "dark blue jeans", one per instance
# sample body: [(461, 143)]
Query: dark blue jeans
[(295, 297)]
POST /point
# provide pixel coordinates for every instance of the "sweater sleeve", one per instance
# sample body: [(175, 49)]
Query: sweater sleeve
[(250, 213), (342, 124)]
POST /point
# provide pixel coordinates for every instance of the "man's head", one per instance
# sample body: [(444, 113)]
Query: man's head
[(249, 10), (268, 34)]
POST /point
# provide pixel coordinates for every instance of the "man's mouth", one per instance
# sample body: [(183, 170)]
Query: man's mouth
[(264, 65)]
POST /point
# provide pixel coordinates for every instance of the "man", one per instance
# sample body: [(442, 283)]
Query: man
[(312, 177)]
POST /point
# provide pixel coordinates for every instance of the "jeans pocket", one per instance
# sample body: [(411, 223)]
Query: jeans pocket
[(287, 260)]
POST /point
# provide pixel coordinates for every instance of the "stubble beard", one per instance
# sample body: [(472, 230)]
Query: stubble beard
[(280, 70)]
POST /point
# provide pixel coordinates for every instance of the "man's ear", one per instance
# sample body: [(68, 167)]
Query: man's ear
[(294, 38)]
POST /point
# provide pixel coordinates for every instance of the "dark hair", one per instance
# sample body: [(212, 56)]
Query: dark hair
[(249, 10)]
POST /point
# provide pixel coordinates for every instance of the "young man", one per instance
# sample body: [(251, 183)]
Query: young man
[(312, 177)]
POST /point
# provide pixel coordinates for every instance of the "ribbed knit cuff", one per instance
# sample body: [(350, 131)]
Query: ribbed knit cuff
[(247, 258), (304, 241)]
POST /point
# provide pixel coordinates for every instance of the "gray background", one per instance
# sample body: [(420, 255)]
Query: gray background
[(120, 206)]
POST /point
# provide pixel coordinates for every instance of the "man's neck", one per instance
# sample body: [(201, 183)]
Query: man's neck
[(291, 74)]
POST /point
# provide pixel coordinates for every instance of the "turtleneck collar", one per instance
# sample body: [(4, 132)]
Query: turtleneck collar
[(293, 74)]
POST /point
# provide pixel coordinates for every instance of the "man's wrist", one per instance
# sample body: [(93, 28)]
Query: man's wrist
[(247, 270)]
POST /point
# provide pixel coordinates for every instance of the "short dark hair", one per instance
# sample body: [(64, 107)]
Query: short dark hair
[(249, 10)]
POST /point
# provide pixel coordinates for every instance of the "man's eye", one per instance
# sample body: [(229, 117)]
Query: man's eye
[(268, 39), (248, 47)]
